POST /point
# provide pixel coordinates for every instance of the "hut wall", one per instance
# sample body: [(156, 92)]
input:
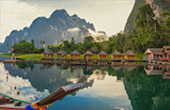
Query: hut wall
[(75, 56), (60, 56), (127, 57), (102, 57), (90, 57), (116, 57)]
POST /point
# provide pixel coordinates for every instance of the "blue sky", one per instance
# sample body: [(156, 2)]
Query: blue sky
[(106, 15)]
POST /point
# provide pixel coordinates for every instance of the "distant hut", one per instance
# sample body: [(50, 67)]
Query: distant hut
[(61, 54), (103, 55), (48, 54), (166, 53), (75, 57), (129, 55), (102, 58), (154, 54), (89, 57), (116, 57)]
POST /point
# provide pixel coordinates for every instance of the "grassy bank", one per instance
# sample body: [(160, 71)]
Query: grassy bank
[(139, 56), (24, 56)]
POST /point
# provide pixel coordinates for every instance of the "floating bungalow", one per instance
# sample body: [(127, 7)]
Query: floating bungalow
[(116, 57), (154, 54), (158, 54), (88, 56), (102, 58), (166, 53), (61, 55), (130, 56), (48, 55), (75, 57)]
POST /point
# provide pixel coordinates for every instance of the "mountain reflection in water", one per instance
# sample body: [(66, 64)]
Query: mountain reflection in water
[(106, 88)]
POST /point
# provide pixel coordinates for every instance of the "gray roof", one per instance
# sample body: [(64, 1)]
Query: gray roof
[(129, 53), (88, 53), (48, 52), (156, 50), (61, 52), (75, 52), (102, 53), (116, 53)]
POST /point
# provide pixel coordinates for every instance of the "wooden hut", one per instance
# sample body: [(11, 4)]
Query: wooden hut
[(61, 54), (130, 56), (48, 55), (102, 58), (75, 57), (88, 57), (166, 53), (61, 57), (154, 54), (116, 57)]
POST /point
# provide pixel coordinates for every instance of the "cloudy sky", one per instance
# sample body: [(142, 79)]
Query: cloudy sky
[(106, 15)]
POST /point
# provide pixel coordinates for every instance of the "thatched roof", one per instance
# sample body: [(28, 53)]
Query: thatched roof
[(88, 53), (48, 52), (75, 52), (129, 53), (62, 52), (156, 51), (102, 53), (116, 53)]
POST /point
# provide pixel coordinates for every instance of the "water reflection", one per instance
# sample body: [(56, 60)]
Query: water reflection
[(163, 70), (107, 88)]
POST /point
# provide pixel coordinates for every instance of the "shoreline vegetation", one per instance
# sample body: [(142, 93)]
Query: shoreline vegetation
[(38, 57)]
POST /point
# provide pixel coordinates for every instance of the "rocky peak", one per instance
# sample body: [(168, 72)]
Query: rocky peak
[(59, 14), (158, 6)]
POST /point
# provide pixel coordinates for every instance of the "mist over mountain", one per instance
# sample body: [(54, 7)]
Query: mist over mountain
[(59, 26)]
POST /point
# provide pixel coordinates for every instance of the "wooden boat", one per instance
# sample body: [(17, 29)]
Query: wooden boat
[(10, 103)]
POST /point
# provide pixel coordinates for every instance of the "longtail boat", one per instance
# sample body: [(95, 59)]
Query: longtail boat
[(10, 103)]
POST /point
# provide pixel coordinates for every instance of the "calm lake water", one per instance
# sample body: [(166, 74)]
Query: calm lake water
[(106, 88)]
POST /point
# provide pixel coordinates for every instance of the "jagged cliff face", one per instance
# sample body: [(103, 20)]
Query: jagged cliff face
[(59, 26), (158, 7)]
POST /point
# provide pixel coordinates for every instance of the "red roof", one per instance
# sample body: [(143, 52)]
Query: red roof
[(156, 51), (166, 47)]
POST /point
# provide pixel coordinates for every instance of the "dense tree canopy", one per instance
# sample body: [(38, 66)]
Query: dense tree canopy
[(26, 47)]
